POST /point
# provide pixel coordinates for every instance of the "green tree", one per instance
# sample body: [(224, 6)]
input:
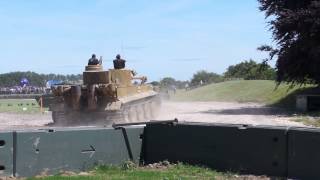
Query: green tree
[(170, 83), (205, 77), (167, 82), (295, 25), (250, 70), (155, 83)]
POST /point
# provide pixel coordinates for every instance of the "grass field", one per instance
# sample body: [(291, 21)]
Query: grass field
[(19, 106), (178, 171), (261, 91)]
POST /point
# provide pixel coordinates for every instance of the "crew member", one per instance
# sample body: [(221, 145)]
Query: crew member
[(93, 60), (119, 63)]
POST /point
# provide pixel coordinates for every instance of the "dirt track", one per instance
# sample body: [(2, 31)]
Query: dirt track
[(231, 113), (217, 112)]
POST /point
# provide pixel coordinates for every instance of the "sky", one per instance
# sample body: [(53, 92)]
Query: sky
[(167, 38)]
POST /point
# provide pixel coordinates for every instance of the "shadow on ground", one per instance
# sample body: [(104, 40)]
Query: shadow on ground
[(271, 111)]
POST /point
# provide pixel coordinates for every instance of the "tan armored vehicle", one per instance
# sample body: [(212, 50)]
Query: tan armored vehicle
[(106, 97)]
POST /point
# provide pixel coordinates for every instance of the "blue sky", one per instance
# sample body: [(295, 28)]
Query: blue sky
[(157, 38)]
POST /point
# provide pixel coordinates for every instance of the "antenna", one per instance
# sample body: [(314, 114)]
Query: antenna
[(121, 48), (100, 60)]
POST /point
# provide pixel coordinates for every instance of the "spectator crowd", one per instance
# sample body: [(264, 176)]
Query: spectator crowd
[(23, 90)]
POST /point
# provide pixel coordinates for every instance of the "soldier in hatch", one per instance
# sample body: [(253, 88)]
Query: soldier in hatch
[(119, 63), (93, 60)]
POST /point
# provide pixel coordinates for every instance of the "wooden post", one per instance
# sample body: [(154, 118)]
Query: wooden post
[(41, 105)]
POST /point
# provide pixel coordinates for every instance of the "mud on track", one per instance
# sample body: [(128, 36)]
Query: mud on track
[(216, 112)]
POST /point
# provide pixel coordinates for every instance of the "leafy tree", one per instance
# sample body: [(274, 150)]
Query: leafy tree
[(295, 25), (181, 84), (205, 77), (155, 83), (250, 70), (167, 82)]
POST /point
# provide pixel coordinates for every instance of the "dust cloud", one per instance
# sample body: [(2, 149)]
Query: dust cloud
[(209, 112)]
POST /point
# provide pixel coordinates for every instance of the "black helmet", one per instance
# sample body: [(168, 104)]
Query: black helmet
[(118, 56), (93, 55)]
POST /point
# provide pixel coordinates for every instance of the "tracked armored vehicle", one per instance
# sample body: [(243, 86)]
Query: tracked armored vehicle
[(104, 98)]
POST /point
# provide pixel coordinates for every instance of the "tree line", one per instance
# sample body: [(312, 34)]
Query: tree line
[(247, 70), (35, 79)]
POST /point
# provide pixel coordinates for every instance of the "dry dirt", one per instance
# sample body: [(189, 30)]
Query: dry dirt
[(214, 112), (226, 112)]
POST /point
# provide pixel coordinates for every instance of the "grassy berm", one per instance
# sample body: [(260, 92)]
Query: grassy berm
[(259, 91), (156, 171)]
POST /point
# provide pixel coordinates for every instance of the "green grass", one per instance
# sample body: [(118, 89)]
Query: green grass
[(19, 106), (178, 171), (261, 91), (310, 119)]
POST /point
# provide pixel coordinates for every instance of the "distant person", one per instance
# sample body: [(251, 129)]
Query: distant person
[(93, 60), (119, 63), (186, 86)]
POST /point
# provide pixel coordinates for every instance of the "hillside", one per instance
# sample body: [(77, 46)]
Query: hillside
[(261, 91)]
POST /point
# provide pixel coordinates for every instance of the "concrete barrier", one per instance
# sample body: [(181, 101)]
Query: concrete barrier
[(258, 150), (7, 153), (304, 153), (48, 151), (243, 149), (308, 102)]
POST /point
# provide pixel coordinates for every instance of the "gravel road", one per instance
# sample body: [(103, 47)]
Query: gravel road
[(226, 112), (216, 112)]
